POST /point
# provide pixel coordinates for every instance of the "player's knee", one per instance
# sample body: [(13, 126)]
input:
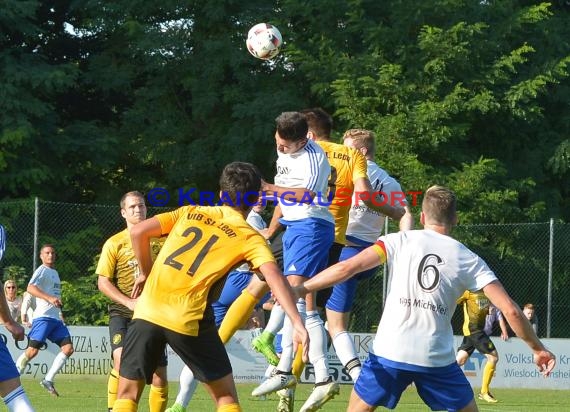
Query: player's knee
[(257, 288)]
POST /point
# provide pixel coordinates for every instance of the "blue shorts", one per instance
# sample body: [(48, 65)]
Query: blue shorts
[(306, 245), (342, 296), (7, 367), (381, 383), (48, 328), (235, 283)]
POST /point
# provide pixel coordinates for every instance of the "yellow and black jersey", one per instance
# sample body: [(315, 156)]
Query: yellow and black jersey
[(347, 165), (203, 244), (475, 309), (118, 263)]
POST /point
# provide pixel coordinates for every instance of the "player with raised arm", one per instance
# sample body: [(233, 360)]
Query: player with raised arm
[(173, 308), (428, 272)]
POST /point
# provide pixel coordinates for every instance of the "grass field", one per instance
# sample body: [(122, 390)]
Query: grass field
[(89, 394)]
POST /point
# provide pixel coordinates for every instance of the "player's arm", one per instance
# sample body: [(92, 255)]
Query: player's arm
[(503, 326), (407, 221), (367, 259), (36, 291), (141, 234), (283, 293), (365, 193), (543, 358), (274, 226), (108, 288), (299, 194)]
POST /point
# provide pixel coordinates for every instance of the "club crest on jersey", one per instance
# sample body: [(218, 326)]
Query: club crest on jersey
[(117, 338)]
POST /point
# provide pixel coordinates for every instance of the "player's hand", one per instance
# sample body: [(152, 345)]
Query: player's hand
[(505, 336), (16, 330), (131, 304), (545, 360), (301, 338), (138, 286), (265, 233), (55, 301)]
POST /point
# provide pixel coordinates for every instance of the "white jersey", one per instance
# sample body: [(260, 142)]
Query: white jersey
[(47, 279), (307, 168), (428, 272), (255, 220), (365, 224)]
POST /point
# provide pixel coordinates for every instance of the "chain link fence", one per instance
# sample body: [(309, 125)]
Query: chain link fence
[(531, 259)]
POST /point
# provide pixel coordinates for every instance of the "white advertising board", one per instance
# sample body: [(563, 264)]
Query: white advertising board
[(93, 357)]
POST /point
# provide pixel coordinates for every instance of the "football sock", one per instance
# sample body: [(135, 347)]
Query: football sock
[(286, 360), (188, 386), (276, 319), (125, 405), (22, 362), (346, 352), (237, 315), (157, 398), (57, 364), (17, 401), (112, 387), (488, 372), (318, 346), (229, 407)]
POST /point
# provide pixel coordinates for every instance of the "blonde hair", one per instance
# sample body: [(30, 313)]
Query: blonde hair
[(439, 205), (10, 282), (362, 138)]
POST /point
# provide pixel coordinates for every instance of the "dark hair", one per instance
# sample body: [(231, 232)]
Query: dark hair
[(292, 126), (240, 182), (319, 122), (134, 193)]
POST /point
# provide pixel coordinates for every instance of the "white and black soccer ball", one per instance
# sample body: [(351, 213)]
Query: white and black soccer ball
[(264, 41)]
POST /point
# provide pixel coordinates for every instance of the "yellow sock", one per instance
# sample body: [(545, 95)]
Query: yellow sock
[(112, 387), (238, 313), (488, 373), (157, 398), (298, 364), (229, 407), (125, 405)]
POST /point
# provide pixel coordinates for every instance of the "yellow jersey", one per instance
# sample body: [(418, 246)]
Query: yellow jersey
[(203, 245), (117, 262), (475, 310), (347, 165)]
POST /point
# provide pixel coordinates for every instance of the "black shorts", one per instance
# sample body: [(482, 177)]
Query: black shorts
[(479, 341), (204, 354), (118, 326)]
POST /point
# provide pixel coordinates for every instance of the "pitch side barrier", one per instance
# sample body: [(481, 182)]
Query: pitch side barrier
[(92, 357)]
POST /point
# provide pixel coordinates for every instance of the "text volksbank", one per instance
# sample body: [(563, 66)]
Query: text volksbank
[(161, 197)]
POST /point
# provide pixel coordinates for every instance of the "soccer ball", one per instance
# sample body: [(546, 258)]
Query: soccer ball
[(263, 41)]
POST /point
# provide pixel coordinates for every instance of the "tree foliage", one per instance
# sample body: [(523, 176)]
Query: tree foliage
[(99, 98)]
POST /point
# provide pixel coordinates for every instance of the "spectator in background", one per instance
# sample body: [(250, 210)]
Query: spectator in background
[(11, 389), (14, 301), (495, 324), (528, 310), (45, 285)]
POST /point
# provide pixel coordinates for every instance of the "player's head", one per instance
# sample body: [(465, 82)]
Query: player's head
[(47, 255), (362, 140), (133, 208), (291, 132), (240, 184), (320, 123), (439, 207)]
